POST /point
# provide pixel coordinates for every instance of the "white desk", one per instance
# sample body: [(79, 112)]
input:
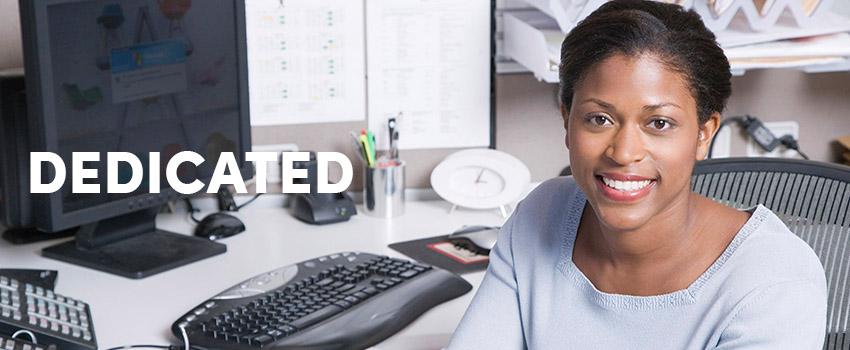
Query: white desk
[(129, 311)]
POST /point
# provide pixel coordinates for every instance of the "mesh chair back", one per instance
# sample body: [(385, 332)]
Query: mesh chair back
[(812, 198)]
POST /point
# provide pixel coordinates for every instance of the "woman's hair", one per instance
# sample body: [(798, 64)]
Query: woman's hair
[(677, 38)]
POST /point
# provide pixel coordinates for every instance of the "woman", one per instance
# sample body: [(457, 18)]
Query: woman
[(622, 255)]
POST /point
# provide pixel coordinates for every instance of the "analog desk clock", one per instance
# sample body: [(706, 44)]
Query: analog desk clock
[(481, 179)]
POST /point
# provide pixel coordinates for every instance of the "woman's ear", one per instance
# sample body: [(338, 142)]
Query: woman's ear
[(566, 117), (706, 135)]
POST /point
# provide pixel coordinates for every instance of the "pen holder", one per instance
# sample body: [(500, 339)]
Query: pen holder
[(383, 190)]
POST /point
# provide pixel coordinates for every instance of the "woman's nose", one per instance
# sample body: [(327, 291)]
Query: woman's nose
[(627, 146)]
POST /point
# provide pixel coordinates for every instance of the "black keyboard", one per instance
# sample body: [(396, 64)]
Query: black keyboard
[(340, 301), (54, 319)]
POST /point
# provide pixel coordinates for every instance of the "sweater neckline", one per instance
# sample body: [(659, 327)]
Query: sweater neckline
[(623, 301)]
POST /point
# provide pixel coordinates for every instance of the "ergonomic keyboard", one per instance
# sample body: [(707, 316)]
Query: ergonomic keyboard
[(340, 301), (54, 319)]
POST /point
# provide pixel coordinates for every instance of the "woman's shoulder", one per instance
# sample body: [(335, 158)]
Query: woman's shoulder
[(552, 199), (558, 190), (542, 220), (771, 255)]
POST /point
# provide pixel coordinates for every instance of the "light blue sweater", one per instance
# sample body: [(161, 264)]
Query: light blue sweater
[(766, 291)]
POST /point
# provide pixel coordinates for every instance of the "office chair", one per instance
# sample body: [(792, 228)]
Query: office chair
[(812, 198)]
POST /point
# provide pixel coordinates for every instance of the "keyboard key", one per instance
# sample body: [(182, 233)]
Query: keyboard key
[(343, 304), (316, 317), (408, 274), (345, 288), (263, 339)]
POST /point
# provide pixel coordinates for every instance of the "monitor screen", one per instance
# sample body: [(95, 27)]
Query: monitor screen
[(139, 76)]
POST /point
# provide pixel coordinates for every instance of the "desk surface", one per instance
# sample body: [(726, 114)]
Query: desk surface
[(129, 311)]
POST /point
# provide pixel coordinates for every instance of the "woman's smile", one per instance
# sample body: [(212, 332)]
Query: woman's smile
[(624, 187)]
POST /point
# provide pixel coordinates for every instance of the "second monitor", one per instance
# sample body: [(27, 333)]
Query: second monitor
[(136, 76)]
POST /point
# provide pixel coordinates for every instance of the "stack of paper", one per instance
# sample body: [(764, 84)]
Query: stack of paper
[(533, 37)]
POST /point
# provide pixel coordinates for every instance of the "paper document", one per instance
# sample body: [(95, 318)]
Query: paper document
[(306, 61), (818, 46), (738, 32), (429, 61)]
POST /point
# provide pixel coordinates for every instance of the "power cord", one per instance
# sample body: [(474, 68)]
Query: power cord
[(149, 346), (759, 133), (185, 345), (193, 210), (227, 202), (240, 206), (789, 142), (26, 332), (724, 123)]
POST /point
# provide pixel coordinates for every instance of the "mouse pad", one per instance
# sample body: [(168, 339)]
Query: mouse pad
[(438, 251)]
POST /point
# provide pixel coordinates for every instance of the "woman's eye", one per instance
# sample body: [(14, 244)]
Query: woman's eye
[(599, 120), (660, 124)]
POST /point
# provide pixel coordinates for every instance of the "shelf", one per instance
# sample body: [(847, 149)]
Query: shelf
[(533, 39)]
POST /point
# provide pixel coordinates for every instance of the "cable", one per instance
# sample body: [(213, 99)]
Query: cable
[(182, 327), (149, 346), (240, 206), (738, 119), (141, 346), (26, 332), (789, 142), (192, 210), (759, 133)]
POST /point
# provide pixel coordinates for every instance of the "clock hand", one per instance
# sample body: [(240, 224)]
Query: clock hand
[(478, 179)]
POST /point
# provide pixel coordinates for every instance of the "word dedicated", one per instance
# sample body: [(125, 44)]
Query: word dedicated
[(226, 172)]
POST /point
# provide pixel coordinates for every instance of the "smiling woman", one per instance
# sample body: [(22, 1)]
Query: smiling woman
[(622, 254)]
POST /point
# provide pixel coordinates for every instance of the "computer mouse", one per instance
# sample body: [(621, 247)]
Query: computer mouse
[(483, 237), (219, 225)]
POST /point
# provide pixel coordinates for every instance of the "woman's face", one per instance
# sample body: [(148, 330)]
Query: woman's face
[(633, 136)]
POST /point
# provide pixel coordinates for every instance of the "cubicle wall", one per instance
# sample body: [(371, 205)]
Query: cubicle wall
[(528, 124)]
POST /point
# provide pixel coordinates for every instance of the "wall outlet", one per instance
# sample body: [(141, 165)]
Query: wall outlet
[(778, 129), (722, 143), (273, 174)]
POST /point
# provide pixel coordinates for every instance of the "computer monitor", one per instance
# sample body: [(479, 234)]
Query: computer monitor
[(135, 76)]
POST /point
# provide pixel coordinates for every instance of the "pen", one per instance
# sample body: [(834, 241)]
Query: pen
[(394, 138), (364, 140), (371, 138), (391, 128), (361, 153)]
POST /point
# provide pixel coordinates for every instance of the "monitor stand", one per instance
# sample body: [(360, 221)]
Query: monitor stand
[(131, 246)]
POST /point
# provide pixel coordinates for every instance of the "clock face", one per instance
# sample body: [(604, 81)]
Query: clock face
[(480, 178), (477, 182)]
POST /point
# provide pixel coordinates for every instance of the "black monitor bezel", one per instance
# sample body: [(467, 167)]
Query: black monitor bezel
[(50, 214)]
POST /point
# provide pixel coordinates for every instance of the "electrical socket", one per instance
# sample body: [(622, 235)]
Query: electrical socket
[(722, 143), (778, 129), (273, 174)]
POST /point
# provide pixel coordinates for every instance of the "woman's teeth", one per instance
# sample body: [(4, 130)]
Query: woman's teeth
[(625, 186)]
